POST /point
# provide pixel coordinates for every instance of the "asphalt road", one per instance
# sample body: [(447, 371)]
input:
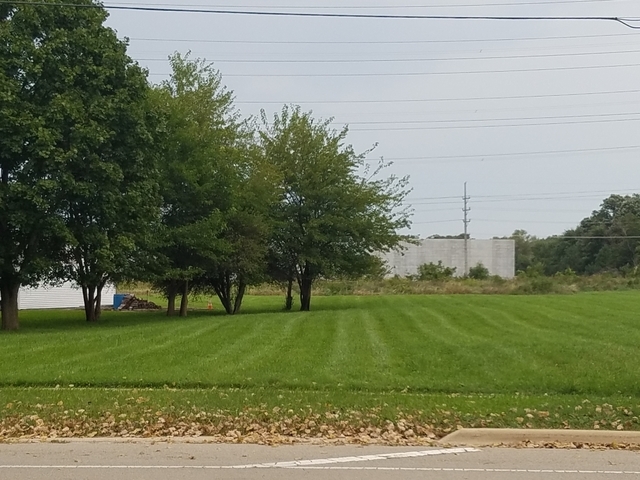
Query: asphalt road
[(102, 460)]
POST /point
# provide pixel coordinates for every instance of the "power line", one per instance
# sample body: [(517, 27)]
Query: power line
[(554, 209), (450, 99), (627, 22), (532, 199), (432, 112), (524, 195), (491, 52), (605, 237), (435, 221), (552, 237), (410, 60), (550, 222), (515, 154), (599, 118), (380, 42), (544, 222), (557, 237), (500, 125), (480, 120), (429, 54), (494, 209), (554, 195), (603, 116), (420, 74), (415, 74), (383, 7), (477, 111)]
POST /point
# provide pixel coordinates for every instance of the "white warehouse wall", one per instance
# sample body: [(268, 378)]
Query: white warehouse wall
[(60, 296), (497, 255)]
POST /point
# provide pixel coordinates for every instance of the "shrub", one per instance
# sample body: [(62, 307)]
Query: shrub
[(338, 287), (630, 271), (479, 272), (567, 272), (431, 271), (539, 284), (567, 276), (532, 271)]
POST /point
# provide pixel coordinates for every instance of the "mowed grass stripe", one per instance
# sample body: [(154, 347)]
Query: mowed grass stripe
[(367, 367), (561, 345), (588, 320), (97, 359), (171, 357), (478, 356), (269, 341), (380, 350), (121, 351), (517, 337), (581, 343), (338, 349), (228, 345), (615, 340), (413, 351), (556, 347)]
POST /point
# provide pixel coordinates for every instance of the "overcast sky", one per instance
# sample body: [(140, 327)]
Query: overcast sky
[(541, 118)]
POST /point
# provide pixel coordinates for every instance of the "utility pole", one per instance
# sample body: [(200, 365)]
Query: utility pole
[(466, 222)]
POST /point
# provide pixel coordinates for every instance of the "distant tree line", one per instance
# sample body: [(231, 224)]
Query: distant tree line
[(106, 178), (608, 240)]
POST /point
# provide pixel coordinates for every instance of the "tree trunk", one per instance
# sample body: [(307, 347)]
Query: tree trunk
[(171, 307), (98, 304), (242, 287), (305, 295), (9, 305), (225, 288), (184, 301), (226, 302), (172, 292), (222, 286), (305, 280), (89, 297), (288, 303)]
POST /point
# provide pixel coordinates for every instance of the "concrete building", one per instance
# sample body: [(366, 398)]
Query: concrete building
[(497, 255), (62, 296)]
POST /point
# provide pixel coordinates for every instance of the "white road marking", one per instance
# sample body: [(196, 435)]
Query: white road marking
[(364, 458), (300, 464), (384, 469), (473, 470)]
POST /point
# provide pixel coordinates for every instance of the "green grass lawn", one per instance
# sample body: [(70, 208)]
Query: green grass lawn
[(400, 351), (587, 343)]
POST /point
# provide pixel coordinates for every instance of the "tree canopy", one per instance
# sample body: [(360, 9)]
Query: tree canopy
[(216, 188), (332, 214), (606, 240), (105, 178), (72, 140)]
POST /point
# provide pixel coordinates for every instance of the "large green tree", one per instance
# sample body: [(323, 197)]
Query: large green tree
[(69, 111), (246, 231), (201, 131), (524, 243), (109, 179), (333, 215)]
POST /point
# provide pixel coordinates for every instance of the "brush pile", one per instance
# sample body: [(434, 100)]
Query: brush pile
[(131, 302)]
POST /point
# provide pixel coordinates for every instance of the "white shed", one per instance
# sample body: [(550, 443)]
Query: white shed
[(61, 296)]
